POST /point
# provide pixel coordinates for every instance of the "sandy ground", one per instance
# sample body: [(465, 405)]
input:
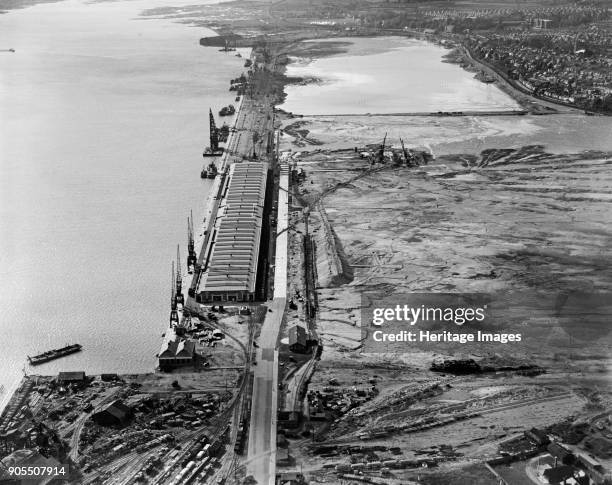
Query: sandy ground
[(502, 221), (528, 221)]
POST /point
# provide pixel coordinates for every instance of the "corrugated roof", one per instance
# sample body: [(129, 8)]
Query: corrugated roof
[(71, 376), (233, 261)]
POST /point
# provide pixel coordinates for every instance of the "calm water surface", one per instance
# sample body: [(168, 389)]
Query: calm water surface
[(104, 116), (388, 75)]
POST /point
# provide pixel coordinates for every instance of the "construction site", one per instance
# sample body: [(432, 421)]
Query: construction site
[(392, 217)]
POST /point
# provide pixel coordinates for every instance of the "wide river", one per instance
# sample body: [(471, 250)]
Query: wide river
[(103, 118)]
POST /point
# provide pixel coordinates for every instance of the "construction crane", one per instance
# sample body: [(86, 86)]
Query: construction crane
[(381, 152), (173, 312), (407, 156), (191, 256), (214, 133), (180, 299)]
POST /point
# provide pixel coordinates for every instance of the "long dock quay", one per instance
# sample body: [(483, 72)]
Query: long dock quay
[(227, 252), (249, 140), (240, 256)]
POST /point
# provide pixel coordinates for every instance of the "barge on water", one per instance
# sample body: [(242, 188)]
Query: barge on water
[(54, 354)]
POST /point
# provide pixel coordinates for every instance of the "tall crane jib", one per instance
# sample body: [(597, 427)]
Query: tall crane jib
[(214, 133), (180, 299), (408, 157), (381, 152), (173, 312), (191, 254)]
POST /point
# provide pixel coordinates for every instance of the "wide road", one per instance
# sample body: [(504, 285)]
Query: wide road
[(261, 461)]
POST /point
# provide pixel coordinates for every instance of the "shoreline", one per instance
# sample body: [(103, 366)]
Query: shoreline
[(534, 104)]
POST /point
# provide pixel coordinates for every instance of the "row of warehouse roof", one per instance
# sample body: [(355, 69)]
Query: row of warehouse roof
[(231, 270)]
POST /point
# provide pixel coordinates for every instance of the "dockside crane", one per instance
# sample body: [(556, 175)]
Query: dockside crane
[(214, 132), (191, 254), (408, 157), (173, 312), (380, 158), (180, 299)]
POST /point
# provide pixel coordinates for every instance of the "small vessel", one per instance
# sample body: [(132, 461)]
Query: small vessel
[(54, 354), (209, 171), (208, 152), (227, 110)]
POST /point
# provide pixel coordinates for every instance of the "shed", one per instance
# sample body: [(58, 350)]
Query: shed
[(288, 419), (115, 414), (77, 377), (297, 339), (290, 478), (561, 453), (538, 436), (176, 352)]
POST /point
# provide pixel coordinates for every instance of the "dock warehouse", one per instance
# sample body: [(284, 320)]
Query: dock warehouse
[(231, 268)]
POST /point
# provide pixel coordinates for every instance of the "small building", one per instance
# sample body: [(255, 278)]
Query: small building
[(562, 454), (77, 378), (175, 352), (297, 339), (597, 472), (290, 478), (109, 377), (288, 419), (283, 458), (538, 436), (559, 475), (115, 414)]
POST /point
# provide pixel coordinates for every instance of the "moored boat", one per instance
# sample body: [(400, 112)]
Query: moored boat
[(211, 171), (54, 354), (227, 110)]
